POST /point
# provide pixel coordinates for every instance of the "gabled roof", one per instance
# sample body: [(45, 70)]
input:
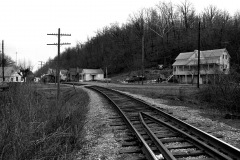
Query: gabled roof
[(180, 62), (184, 56), (8, 71), (213, 53), (93, 71), (208, 56)]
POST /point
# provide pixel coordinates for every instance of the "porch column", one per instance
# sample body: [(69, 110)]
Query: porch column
[(207, 78), (192, 78), (214, 78)]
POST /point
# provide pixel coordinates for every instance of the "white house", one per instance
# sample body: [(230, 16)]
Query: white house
[(91, 74), (212, 62), (11, 74)]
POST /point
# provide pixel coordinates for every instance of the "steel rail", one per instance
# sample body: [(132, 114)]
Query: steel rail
[(144, 146), (226, 148), (222, 146), (208, 149), (164, 151)]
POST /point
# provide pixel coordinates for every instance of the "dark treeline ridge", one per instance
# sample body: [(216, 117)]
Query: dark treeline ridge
[(168, 29)]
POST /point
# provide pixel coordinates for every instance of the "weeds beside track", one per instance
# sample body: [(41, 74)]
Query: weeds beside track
[(34, 127)]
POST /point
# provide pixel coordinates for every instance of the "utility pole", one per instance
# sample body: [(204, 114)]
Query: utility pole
[(16, 58), (198, 54), (3, 61), (142, 49), (41, 63), (58, 44), (106, 76)]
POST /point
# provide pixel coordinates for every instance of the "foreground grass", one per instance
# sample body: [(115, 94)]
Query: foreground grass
[(34, 127)]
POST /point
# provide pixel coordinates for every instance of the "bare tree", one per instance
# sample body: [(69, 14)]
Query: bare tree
[(187, 12), (25, 69), (209, 15), (7, 61), (236, 19)]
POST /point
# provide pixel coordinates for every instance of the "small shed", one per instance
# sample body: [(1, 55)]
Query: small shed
[(91, 74)]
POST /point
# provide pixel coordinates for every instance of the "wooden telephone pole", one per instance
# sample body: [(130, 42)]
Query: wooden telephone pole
[(41, 63), (199, 24), (142, 49), (3, 61), (58, 58)]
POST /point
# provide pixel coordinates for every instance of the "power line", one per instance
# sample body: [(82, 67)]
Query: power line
[(58, 44)]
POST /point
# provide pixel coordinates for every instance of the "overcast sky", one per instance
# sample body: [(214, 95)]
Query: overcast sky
[(24, 24)]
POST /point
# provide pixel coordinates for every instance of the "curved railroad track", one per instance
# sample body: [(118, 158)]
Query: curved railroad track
[(161, 136)]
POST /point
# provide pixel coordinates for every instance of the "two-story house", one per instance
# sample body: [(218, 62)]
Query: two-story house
[(212, 62)]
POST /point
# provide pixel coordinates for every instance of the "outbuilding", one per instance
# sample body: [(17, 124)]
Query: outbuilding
[(91, 75)]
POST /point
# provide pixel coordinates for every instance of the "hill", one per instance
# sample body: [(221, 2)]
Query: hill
[(158, 34)]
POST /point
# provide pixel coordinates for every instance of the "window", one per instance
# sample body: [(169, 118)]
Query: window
[(226, 56), (223, 56), (11, 79), (16, 79)]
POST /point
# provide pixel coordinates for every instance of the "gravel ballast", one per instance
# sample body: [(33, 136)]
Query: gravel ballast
[(100, 139)]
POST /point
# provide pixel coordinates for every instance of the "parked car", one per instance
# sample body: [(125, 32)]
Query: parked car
[(135, 79)]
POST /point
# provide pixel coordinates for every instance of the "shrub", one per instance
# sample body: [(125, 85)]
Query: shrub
[(224, 94), (34, 127)]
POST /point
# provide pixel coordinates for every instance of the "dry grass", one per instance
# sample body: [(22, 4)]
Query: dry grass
[(34, 127), (224, 95)]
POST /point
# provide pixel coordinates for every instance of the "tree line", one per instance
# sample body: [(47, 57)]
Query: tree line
[(168, 29)]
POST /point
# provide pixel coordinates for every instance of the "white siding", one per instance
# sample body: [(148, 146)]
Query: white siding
[(89, 77), (15, 77), (99, 77)]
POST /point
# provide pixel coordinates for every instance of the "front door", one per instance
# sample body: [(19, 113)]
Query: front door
[(93, 77)]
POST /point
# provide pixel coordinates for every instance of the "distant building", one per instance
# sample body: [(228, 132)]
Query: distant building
[(37, 79), (212, 62), (51, 74), (11, 74), (63, 74), (91, 74), (72, 74)]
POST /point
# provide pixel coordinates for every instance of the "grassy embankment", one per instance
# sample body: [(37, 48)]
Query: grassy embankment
[(34, 127), (222, 96)]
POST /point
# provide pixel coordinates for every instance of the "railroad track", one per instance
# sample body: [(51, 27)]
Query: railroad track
[(161, 136)]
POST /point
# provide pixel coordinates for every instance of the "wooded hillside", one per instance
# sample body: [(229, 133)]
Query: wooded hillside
[(167, 28)]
